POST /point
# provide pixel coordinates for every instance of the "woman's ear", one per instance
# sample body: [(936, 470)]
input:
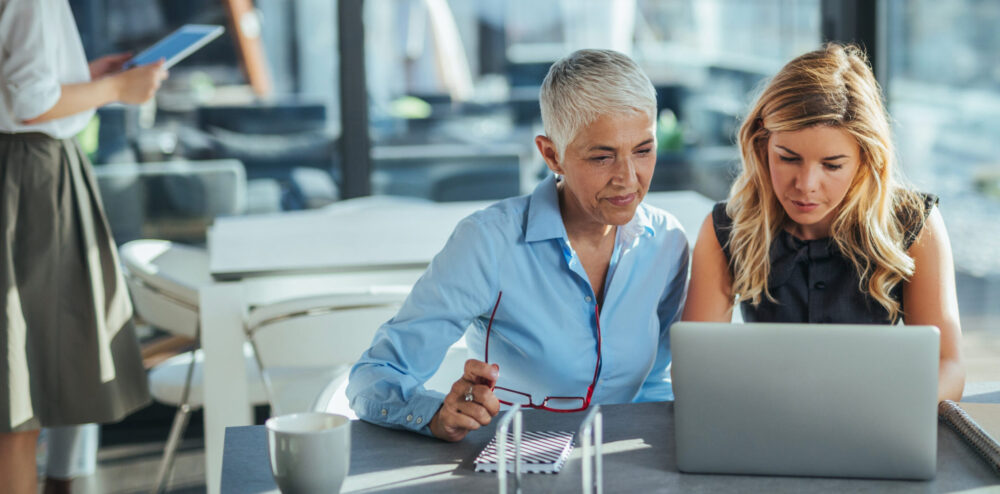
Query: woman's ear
[(549, 153)]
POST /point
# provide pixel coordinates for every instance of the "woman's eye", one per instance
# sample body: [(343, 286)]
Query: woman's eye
[(788, 159), (644, 152), (602, 159), (832, 167)]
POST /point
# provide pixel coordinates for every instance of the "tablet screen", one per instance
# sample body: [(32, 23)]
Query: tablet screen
[(177, 45)]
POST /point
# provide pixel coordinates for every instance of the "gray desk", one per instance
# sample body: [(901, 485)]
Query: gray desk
[(638, 457)]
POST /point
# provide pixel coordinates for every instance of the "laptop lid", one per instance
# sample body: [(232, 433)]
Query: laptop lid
[(806, 399)]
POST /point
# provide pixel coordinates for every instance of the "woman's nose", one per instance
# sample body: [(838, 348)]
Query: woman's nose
[(808, 178), (626, 172)]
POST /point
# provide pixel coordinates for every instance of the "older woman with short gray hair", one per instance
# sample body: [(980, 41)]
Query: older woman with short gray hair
[(567, 293)]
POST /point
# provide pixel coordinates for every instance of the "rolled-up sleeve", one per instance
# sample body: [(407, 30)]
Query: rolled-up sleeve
[(386, 384), (657, 386), (29, 74)]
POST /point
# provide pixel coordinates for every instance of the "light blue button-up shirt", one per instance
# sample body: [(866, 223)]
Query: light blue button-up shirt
[(544, 336)]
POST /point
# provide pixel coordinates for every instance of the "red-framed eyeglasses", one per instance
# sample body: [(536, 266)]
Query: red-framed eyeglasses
[(562, 404)]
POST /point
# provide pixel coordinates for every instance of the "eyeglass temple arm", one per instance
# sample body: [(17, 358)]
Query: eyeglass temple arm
[(597, 368), (489, 328)]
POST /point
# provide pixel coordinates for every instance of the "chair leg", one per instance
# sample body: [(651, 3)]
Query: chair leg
[(265, 378), (177, 429), (170, 452)]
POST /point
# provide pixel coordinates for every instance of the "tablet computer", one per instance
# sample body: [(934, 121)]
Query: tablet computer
[(178, 45)]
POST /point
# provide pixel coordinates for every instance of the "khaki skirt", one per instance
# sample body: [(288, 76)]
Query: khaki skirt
[(68, 351)]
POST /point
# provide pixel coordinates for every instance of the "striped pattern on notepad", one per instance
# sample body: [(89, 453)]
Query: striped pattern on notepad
[(541, 452)]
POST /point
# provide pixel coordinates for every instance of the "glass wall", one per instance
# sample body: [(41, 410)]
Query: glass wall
[(944, 93), (943, 62), (217, 140), (454, 85), (452, 91)]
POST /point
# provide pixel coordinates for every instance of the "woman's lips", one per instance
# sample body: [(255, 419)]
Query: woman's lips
[(805, 207), (621, 200)]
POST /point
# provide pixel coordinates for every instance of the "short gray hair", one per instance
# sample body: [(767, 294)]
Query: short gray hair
[(588, 84)]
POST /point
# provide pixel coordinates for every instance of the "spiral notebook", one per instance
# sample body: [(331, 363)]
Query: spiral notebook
[(978, 424), (541, 452)]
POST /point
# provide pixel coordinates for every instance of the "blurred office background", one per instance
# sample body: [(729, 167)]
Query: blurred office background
[(302, 103)]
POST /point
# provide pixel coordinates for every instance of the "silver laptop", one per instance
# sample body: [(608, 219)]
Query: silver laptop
[(806, 399)]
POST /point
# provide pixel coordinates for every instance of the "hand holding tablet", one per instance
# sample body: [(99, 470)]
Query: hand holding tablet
[(176, 46)]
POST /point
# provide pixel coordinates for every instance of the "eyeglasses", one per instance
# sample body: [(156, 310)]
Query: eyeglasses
[(562, 404)]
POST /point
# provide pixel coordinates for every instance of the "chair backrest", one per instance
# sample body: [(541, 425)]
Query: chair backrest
[(322, 331), (163, 278), (303, 344), (333, 397), (175, 198)]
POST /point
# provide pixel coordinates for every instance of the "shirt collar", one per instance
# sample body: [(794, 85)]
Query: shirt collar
[(545, 220), (641, 225)]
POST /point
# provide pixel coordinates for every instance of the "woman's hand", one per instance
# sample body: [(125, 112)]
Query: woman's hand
[(139, 84), (470, 404), (132, 86), (108, 64)]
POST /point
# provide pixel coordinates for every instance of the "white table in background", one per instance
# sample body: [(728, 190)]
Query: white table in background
[(280, 256)]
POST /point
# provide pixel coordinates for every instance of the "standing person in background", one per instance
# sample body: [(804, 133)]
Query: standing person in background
[(68, 346), (819, 226)]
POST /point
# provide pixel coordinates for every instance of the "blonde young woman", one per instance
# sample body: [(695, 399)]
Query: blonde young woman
[(818, 226)]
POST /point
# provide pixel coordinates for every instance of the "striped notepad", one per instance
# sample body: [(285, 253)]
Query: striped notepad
[(541, 452)]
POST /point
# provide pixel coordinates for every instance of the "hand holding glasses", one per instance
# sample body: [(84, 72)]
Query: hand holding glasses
[(470, 404), (475, 398)]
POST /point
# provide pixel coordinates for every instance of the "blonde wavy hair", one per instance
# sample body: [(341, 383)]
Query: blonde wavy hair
[(831, 86)]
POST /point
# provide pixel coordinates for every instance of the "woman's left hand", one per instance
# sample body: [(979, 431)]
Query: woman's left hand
[(108, 64), (470, 404)]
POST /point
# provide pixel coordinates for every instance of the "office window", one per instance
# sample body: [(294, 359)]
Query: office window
[(454, 85), (452, 92), (224, 142), (944, 94)]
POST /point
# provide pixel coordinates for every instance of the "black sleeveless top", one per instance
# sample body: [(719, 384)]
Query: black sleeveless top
[(812, 281)]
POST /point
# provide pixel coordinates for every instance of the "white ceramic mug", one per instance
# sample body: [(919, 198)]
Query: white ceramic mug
[(310, 452)]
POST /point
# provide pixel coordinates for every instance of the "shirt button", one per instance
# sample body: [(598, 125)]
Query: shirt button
[(819, 285), (420, 420), (385, 412), (409, 417), (587, 298)]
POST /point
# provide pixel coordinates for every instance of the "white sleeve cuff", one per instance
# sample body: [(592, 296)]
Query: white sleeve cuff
[(34, 100)]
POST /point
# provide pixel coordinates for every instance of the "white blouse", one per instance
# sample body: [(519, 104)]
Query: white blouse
[(41, 50)]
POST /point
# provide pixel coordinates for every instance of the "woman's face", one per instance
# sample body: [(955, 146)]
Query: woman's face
[(811, 171), (607, 168)]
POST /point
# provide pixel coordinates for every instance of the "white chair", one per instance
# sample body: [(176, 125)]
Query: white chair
[(304, 346), (189, 194), (333, 397), (164, 278)]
